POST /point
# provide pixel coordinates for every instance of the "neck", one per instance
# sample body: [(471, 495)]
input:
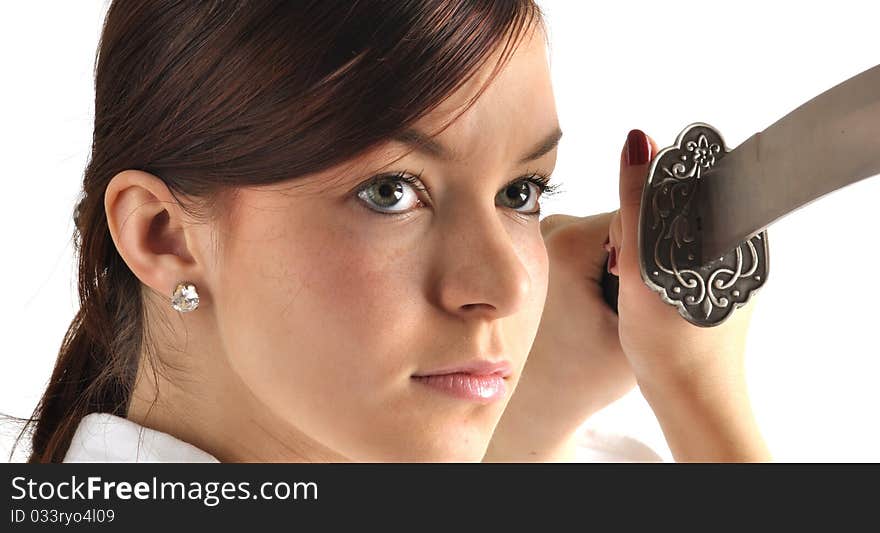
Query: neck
[(196, 397)]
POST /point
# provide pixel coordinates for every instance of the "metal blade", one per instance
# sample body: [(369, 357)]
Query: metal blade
[(827, 143)]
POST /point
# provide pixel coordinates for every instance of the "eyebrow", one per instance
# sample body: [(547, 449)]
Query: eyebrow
[(424, 143)]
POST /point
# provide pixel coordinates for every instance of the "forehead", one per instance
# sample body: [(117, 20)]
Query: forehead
[(515, 108)]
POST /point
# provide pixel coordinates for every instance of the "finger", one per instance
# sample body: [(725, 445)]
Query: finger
[(598, 239), (615, 231), (597, 226), (551, 223), (634, 165), (591, 231), (598, 232), (589, 238), (578, 242)]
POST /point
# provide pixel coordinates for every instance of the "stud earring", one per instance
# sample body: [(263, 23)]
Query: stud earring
[(185, 298)]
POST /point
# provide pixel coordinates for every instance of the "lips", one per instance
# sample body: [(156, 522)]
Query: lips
[(479, 380), (475, 367), (481, 389)]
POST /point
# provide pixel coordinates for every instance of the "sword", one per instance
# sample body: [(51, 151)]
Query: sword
[(705, 208)]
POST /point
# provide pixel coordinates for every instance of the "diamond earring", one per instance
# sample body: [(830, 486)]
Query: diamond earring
[(185, 298)]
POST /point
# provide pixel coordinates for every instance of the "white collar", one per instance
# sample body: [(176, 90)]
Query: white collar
[(107, 438)]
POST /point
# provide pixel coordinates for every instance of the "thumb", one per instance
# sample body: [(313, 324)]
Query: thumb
[(635, 161)]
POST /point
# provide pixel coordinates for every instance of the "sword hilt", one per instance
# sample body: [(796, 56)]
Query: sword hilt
[(705, 291)]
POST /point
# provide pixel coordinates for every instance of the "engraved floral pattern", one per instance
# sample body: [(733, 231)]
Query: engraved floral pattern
[(705, 294), (704, 151)]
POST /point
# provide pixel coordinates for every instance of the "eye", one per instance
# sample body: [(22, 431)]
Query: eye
[(392, 193), (524, 193), (396, 194)]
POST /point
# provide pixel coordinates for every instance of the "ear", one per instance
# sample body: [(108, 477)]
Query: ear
[(151, 231)]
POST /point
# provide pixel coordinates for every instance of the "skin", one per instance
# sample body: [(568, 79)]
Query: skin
[(585, 356), (316, 310), (576, 366), (692, 377)]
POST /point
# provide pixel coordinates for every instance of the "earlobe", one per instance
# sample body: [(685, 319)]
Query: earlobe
[(148, 228)]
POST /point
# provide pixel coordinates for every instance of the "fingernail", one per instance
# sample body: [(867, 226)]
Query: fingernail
[(638, 151), (612, 259)]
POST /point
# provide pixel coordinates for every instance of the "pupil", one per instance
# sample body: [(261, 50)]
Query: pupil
[(389, 193), (513, 193)]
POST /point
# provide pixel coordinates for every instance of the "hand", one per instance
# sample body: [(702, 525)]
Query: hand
[(577, 350), (576, 365), (693, 377), (656, 339)]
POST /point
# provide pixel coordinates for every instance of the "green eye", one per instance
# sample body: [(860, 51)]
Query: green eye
[(525, 192), (396, 194), (387, 192), (519, 195)]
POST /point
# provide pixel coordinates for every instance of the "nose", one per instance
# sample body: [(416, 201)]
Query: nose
[(481, 272)]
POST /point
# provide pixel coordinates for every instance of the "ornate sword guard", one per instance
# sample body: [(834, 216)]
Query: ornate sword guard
[(705, 294)]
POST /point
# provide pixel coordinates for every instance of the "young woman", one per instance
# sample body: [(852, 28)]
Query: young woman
[(310, 232)]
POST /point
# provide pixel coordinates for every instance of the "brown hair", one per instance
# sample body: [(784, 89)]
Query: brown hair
[(210, 96)]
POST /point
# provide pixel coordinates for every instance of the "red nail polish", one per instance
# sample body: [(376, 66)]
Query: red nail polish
[(612, 259), (638, 150)]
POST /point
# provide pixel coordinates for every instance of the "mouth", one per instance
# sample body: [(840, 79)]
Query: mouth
[(478, 381)]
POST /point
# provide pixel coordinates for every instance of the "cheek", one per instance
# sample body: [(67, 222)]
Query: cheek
[(539, 268), (324, 323), (533, 255), (366, 292), (327, 312)]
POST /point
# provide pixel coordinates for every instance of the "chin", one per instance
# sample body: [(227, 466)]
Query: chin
[(447, 455), (460, 445), (456, 442)]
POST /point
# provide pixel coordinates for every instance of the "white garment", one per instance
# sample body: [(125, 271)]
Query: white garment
[(107, 438), (595, 446)]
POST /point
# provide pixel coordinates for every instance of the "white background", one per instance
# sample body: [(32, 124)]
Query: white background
[(813, 356)]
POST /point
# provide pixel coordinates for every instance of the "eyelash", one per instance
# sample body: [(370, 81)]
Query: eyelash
[(541, 181)]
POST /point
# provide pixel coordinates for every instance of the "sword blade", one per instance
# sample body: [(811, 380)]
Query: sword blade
[(825, 144)]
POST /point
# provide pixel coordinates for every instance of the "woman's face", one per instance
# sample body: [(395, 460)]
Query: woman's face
[(327, 307)]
